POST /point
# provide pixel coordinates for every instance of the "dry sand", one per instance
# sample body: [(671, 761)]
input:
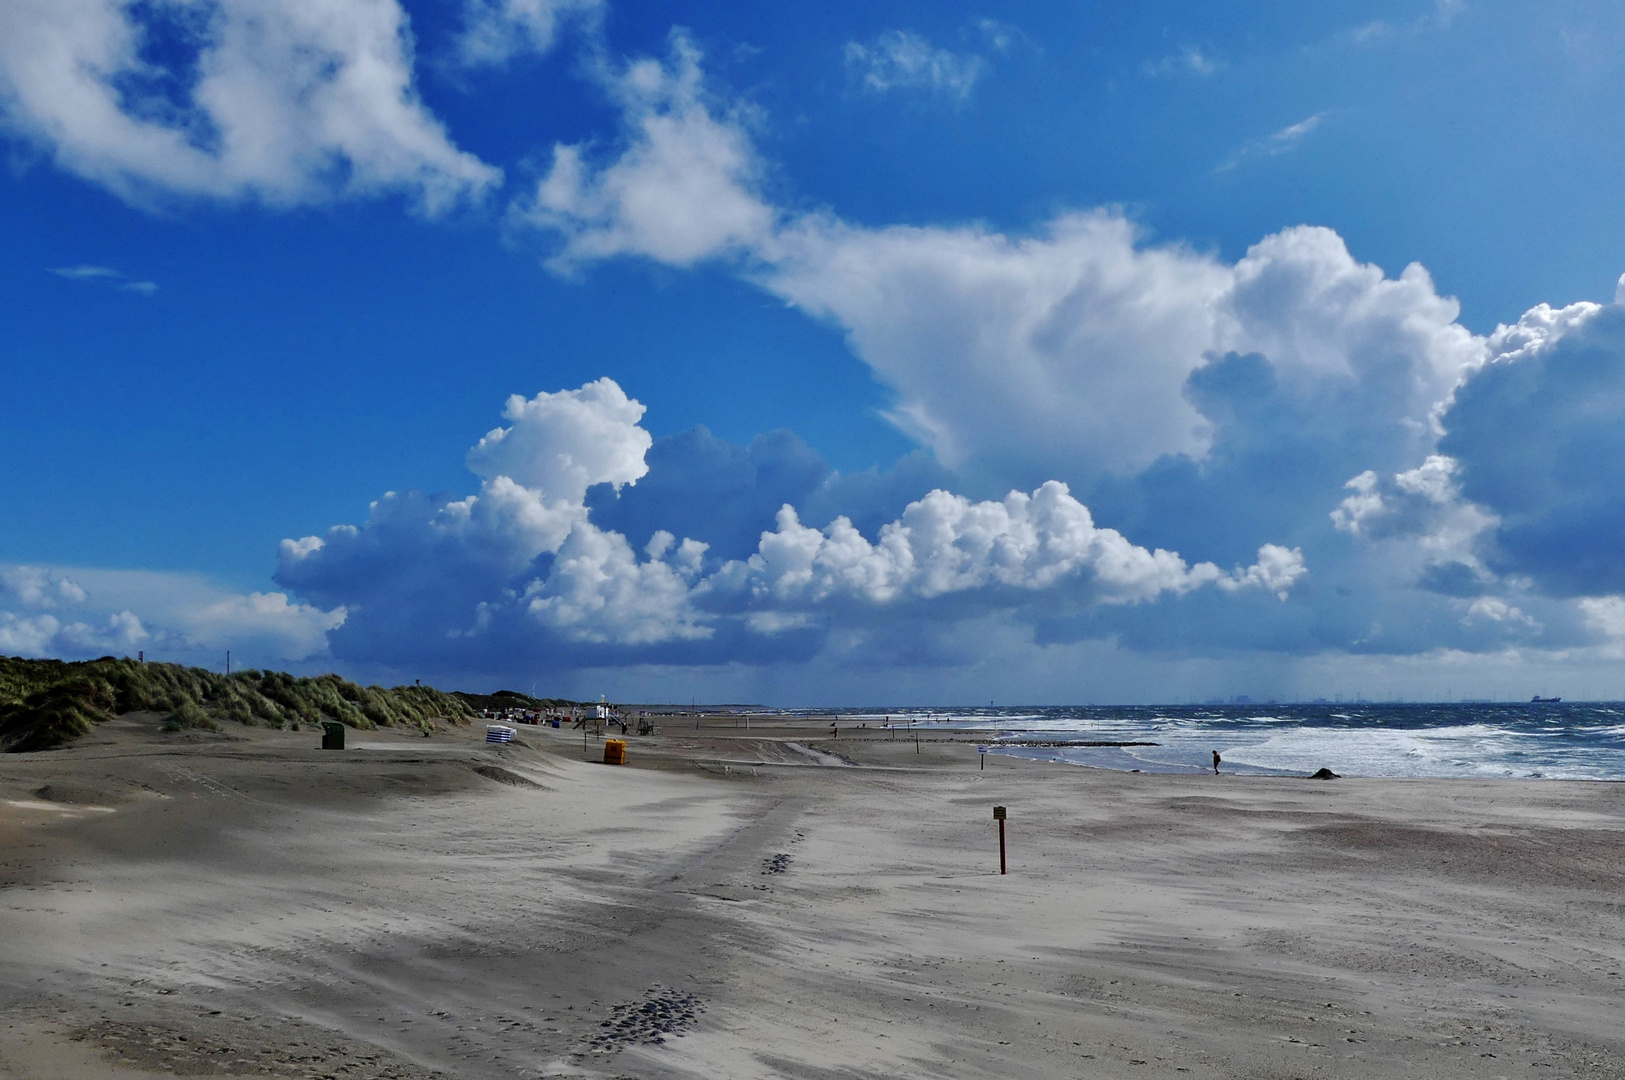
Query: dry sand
[(774, 903)]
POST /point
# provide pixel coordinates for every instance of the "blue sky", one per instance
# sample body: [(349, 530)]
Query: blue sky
[(1243, 302)]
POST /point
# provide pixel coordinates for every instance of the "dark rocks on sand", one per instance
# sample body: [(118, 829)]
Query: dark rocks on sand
[(1325, 774), (662, 1012)]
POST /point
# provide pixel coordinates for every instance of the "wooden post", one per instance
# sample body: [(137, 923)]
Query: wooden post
[(998, 815)]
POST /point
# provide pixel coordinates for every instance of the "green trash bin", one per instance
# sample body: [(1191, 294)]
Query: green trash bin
[(332, 735)]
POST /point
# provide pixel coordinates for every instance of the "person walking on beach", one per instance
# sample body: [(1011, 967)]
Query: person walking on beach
[(1215, 763)]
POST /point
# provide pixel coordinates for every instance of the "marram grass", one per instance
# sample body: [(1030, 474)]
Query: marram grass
[(46, 703)]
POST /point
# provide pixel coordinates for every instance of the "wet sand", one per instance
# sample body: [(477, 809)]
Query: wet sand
[(772, 902)]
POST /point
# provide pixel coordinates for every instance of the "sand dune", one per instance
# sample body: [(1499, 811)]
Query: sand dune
[(732, 905)]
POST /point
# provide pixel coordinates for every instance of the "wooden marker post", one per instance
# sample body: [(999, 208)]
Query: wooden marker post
[(998, 815)]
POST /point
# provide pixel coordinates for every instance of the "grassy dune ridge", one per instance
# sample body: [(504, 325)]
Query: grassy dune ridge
[(46, 703)]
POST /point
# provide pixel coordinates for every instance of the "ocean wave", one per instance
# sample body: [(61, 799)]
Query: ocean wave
[(1467, 740)]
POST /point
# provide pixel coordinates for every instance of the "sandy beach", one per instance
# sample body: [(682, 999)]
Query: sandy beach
[(777, 903)]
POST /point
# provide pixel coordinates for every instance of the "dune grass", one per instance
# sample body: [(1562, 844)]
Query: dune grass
[(46, 703)]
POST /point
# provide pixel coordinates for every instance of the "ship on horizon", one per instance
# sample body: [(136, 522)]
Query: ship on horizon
[(1538, 700)]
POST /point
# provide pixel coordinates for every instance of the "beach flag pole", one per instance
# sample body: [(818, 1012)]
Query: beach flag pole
[(998, 815)]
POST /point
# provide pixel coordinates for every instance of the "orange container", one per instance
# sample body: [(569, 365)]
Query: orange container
[(614, 751)]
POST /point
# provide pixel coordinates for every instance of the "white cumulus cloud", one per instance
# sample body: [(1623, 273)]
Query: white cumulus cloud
[(285, 101), (1083, 335), (1493, 609), (46, 635), (599, 591), (520, 564), (1277, 570), (564, 443), (1535, 431), (1605, 615), (40, 587), (299, 630), (683, 187), (1080, 336), (495, 31), (945, 543), (86, 611), (1085, 338), (536, 473)]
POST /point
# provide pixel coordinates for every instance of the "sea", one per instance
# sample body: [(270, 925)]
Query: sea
[(1481, 740)]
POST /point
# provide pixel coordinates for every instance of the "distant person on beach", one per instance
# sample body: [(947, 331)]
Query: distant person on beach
[(1215, 763), (835, 732)]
